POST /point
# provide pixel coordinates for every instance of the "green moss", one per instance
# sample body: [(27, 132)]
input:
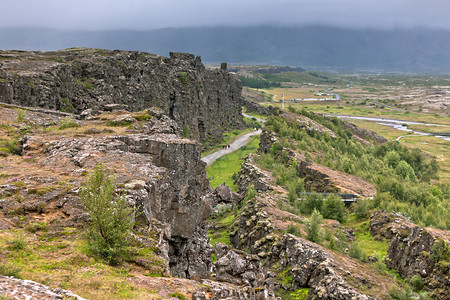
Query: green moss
[(86, 83), (368, 244), (178, 295), (183, 77), (66, 105), (300, 294), (113, 123), (221, 236)]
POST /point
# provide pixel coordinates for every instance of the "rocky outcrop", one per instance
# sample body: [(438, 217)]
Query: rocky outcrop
[(253, 107), (160, 172), (254, 230), (250, 174), (311, 266), (291, 262), (266, 141), (202, 102), (414, 250), (13, 288), (241, 268), (225, 195)]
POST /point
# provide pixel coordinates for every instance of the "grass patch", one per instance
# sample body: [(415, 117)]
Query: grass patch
[(61, 262), (223, 169), (222, 236), (368, 244), (67, 123)]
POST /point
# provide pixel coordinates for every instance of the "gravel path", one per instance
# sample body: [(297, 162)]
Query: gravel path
[(238, 143)]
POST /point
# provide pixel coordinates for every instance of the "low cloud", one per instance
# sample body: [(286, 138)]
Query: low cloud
[(153, 14)]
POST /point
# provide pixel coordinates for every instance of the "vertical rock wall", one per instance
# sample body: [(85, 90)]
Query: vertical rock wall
[(203, 102)]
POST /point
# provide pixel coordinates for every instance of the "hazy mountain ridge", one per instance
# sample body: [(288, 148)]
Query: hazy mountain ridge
[(318, 47)]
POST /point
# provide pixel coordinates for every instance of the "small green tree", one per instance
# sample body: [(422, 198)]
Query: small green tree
[(362, 209), (313, 227), (355, 251), (110, 219), (186, 132), (310, 202), (334, 208)]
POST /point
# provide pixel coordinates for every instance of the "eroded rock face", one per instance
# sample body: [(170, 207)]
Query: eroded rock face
[(161, 173), (191, 257), (253, 107), (203, 102), (250, 174), (312, 266), (414, 250), (361, 134)]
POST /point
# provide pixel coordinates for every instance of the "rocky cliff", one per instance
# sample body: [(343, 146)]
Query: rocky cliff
[(161, 173), (202, 102), (415, 251)]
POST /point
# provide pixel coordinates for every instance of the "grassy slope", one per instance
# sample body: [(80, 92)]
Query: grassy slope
[(61, 262)]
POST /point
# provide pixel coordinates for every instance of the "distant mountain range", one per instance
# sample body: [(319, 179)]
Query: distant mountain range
[(311, 47)]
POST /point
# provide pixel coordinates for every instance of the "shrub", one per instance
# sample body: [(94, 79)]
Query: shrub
[(66, 105), (355, 251), (311, 202), (293, 229), (186, 131), (183, 77), (334, 208), (12, 146), (361, 208), (313, 228), (178, 296), (110, 217), (21, 116), (9, 270), (416, 282), (17, 244), (67, 123)]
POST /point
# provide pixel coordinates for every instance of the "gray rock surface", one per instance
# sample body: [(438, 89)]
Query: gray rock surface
[(414, 250), (13, 288), (205, 102), (250, 174)]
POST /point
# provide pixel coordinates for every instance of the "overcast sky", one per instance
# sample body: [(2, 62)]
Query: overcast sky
[(153, 14)]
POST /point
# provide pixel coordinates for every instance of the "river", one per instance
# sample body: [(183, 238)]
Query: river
[(399, 125)]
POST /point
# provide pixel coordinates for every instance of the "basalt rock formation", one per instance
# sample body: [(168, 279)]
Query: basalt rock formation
[(202, 102), (285, 261), (28, 289), (150, 162), (415, 251)]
